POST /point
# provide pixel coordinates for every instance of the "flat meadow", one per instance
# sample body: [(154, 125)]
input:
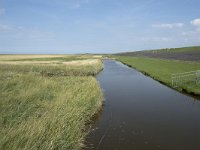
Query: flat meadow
[(47, 100)]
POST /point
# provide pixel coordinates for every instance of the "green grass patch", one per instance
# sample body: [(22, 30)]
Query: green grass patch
[(161, 70)]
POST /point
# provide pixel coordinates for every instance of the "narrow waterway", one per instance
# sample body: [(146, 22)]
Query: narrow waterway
[(141, 114)]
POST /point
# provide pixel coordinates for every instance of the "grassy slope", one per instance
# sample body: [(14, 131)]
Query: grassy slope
[(162, 69), (185, 49), (176, 50), (46, 110), (182, 49)]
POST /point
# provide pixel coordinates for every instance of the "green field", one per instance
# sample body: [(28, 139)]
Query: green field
[(47, 106), (161, 70)]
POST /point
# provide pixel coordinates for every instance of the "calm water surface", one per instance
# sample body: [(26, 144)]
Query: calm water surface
[(142, 114)]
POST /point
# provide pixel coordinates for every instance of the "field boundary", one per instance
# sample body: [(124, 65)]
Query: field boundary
[(184, 77)]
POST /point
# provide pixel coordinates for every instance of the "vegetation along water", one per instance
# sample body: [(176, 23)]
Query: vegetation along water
[(45, 104)]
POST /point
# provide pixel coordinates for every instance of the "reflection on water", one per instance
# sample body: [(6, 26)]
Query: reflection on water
[(142, 114)]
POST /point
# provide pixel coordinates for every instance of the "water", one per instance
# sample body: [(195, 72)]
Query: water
[(142, 114)]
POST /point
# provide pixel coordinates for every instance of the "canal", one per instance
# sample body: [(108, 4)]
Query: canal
[(139, 113)]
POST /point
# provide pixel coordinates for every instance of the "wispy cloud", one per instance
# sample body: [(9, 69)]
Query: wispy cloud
[(70, 4), (75, 4), (168, 25), (5, 28), (196, 23), (156, 39), (79, 3), (2, 11), (194, 33), (19, 32)]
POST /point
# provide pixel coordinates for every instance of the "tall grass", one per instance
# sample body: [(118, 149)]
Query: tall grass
[(47, 106), (53, 69)]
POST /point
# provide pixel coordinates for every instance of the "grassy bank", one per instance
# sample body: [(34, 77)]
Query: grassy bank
[(47, 106), (161, 70)]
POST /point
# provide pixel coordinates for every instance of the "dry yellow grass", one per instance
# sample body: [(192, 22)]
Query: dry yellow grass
[(90, 56), (82, 62), (68, 63), (97, 56), (16, 57), (69, 60), (27, 62)]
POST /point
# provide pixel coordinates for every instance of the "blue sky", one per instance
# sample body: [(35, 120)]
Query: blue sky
[(97, 26)]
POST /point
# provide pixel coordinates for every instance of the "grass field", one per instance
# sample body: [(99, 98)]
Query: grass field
[(47, 106), (161, 70)]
